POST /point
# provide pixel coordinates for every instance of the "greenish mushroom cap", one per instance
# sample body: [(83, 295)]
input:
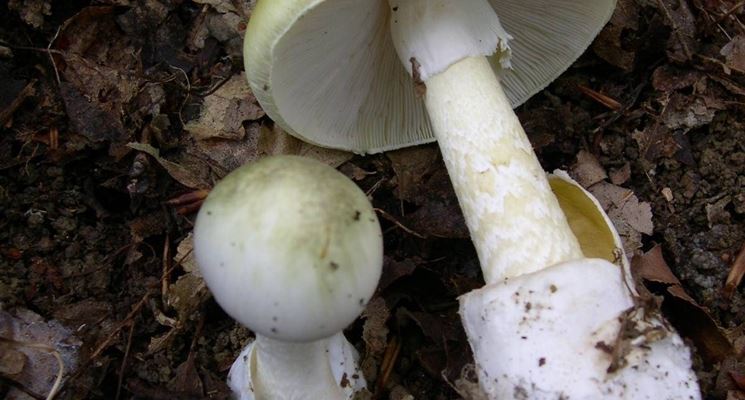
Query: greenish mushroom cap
[(289, 247)]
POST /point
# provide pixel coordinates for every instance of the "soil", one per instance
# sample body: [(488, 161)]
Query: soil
[(94, 231)]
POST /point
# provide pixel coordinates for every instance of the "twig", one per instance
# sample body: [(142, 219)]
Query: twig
[(166, 267), (124, 359), (49, 52), (386, 365), (391, 218), (735, 274)]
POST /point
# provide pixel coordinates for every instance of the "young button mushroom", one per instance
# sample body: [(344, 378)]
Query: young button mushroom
[(292, 249)]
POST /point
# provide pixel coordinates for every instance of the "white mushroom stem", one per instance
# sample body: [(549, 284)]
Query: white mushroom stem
[(282, 370), (294, 370), (515, 221)]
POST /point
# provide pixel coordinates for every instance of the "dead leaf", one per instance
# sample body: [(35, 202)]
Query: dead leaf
[(185, 255), (667, 78), (621, 175), (187, 295), (692, 320), (716, 213), (276, 141), (734, 53), (375, 335), (736, 273), (412, 165), (394, 270), (12, 361), (678, 16), (689, 112), (186, 381), (587, 170), (181, 174), (630, 216), (29, 334), (375, 331), (225, 111), (609, 44), (32, 11)]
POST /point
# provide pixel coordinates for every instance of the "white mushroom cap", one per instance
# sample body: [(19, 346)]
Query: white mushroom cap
[(289, 247), (327, 70)]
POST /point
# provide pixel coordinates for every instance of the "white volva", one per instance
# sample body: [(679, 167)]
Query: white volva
[(274, 369)]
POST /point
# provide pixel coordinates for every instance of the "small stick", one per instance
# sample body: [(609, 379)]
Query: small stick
[(736, 273)]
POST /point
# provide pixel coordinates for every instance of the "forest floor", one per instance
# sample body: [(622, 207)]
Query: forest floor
[(117, 115)]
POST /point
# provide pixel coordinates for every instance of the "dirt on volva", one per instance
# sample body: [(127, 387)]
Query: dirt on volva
[(118, 116)]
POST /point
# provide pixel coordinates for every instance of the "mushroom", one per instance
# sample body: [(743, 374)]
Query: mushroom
[(339, 74), (577, 329), (370, 76), (292, 249)]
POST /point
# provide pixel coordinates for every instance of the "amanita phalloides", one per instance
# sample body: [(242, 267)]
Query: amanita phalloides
[(369, 76), (292, 249)]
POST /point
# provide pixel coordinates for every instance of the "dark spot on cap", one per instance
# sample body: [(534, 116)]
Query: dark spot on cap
[(528, 306), (553, 288), (266, 87), (209, 212), (357, 215), (274, 318), (349, 295), (334, 266), (362, 301), (274, 330), (395, 9), (232, 244), (222, 263), (542, 361)]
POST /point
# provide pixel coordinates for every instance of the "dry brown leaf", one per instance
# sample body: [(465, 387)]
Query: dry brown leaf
[(587, 170), (667, 78), (394, 270), (186, 177), (692, 320), (621, 175), (12, 361), (412, 165), (32, 11), (375, 331), (608, 45), (225, 111), (734, 54), (187, 295), (630, 216), (186, 381), (276, 141), (185, 255), (40, 367), (375, 334), (736, 273)]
